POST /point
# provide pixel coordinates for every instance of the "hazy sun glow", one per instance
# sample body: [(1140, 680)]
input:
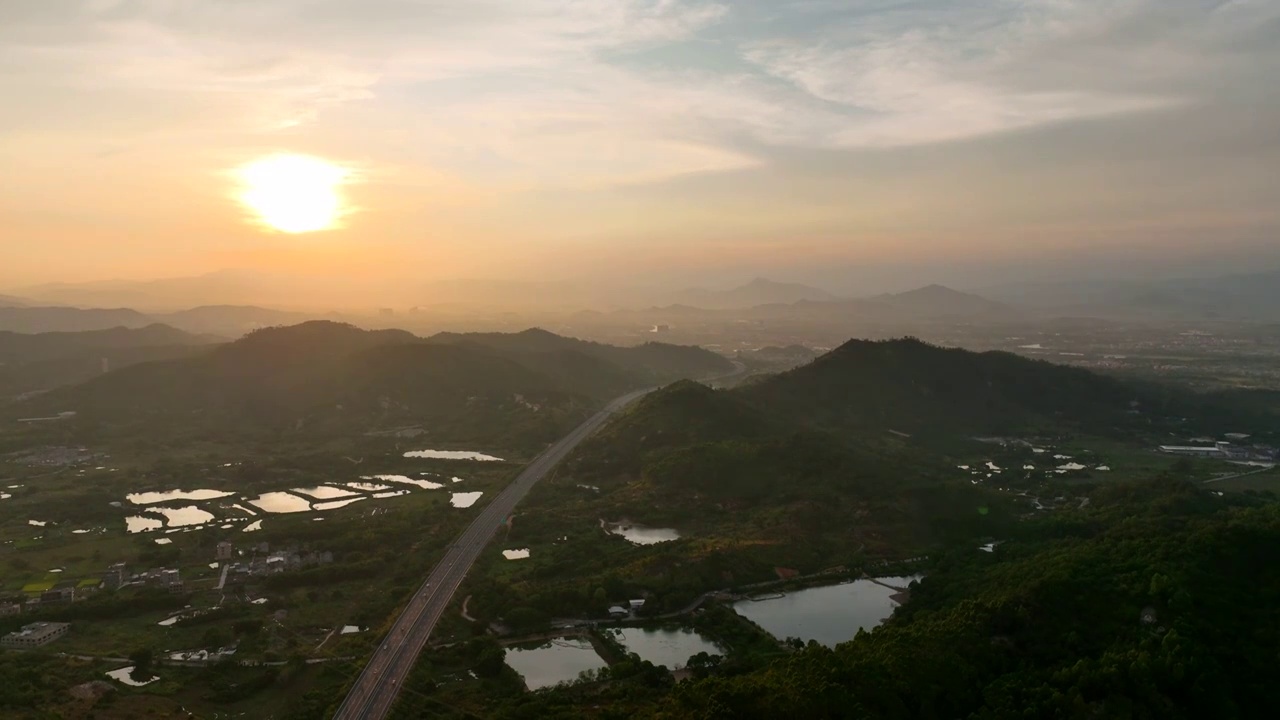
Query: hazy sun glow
[(293, 193)]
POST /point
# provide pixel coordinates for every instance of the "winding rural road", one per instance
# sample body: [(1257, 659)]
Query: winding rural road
[(376, 689)]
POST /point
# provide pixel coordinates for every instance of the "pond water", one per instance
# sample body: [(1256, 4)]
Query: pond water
[(640, 534), (323, 492), (554, 662), (406, 480), (671, 647), (122, 676), (147, 498), (391, 493), (335, 504), (38, 523), (452, 455), (253, 526), (465, 499), (179, 517), (367, 487), (137, 524), (281, 502), (163, 541), (830, 615), (5, 496), (516, 554), (245, 510), (350, 630)]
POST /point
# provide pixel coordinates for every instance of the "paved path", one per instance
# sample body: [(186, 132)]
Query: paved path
[(375, 691)]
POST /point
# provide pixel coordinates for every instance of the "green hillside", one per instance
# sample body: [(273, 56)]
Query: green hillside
[(324, 377), (1052, 625), (37, 362), (657, 362), (912, 387)]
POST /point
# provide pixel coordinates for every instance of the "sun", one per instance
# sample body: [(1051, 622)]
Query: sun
[(294, 193)]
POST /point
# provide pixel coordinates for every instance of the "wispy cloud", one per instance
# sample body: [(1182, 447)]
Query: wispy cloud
[(533, 80)]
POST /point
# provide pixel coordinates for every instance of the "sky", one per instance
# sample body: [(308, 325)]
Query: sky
[(853, 143)]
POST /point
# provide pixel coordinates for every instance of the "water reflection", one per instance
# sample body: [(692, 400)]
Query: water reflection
[(147, 498), (179, 517), (452, 455), (123, 675), (830, 615), (405, 480), (553, 662), (136, 524), (281, 502), (323, 492), (465, 499), (335, 504), (640, 534), (671, 647)]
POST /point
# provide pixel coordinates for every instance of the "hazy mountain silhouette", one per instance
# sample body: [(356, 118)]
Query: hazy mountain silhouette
[(69, 319), (940, 301), (760, 291)]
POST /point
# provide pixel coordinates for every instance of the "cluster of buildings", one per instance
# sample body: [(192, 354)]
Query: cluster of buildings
[(278, 562), (1230, 449)]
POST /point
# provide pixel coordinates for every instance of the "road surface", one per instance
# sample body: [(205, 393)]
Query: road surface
[(376, 689)]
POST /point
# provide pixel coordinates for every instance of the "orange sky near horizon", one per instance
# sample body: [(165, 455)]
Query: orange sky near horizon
[(527, 138)]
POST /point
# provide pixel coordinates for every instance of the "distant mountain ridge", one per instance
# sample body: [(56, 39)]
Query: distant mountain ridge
[(224, 320), (760, 291), (69, 319), (940, 301)]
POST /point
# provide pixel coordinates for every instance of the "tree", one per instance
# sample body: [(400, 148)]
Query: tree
[(142, 658)]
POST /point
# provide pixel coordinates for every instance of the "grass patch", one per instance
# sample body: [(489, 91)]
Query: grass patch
[(38, 587)]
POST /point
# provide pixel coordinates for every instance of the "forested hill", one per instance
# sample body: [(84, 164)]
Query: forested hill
[(911, 386), (324, 375), (1157, 603), (659, 362), (39, 362)]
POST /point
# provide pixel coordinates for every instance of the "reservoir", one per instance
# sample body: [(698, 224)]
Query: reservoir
[(831, 615), (553, 662), (671, 647)]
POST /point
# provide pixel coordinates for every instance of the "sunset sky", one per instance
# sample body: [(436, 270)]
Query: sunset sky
[(513, 138)]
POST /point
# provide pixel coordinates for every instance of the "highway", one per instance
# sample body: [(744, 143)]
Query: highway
[(375, 691)]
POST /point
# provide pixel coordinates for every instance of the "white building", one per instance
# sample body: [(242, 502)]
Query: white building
[(34, 635)]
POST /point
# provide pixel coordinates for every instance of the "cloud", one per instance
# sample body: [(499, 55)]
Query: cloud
[(526, 93), (909, 73)]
